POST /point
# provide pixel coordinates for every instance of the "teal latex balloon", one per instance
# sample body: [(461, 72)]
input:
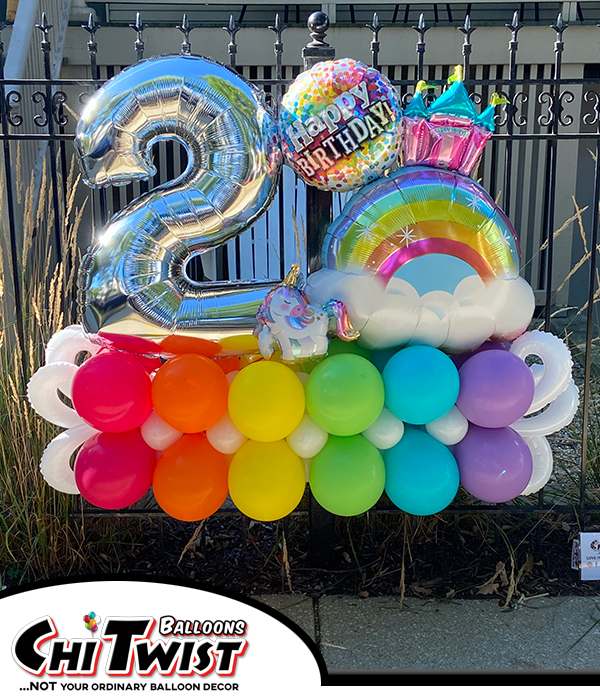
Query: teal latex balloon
[(348, 475), (380, 358), (337, 346), (344, 394), (421, 384), (421, 474)]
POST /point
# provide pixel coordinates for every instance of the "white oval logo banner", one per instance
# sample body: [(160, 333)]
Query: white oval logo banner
[(136, 638)]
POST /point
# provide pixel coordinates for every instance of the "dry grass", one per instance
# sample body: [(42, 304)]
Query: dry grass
[(38, 535)]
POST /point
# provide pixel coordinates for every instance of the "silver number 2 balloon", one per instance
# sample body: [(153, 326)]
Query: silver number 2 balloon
[(133, 280)]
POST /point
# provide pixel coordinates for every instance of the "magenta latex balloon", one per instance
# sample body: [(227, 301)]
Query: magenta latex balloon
[(496, 389), (114, 470), (495, 465), (112, 392)]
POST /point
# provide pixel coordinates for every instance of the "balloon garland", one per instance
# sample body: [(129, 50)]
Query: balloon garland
[(398, 368)]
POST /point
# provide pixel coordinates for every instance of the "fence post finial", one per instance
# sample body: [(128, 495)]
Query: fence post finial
[(45, 28), (278, 27), (232, 30), (375, 27), (186, 28), (421, 28), (139, 27), (467, 30), (559, 28), (318, 24), (318, 49)]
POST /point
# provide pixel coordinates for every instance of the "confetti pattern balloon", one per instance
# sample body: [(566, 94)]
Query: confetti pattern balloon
[(340, 125)]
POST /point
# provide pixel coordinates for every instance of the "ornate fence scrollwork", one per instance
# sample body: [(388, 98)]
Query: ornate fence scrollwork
[(593, 117), (13, 98), (566, 96), (58, 100), (546, 98), (39, 119)]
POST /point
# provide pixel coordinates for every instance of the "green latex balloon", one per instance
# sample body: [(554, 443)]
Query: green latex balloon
[(345, 394), (337, 346), (347, 477)]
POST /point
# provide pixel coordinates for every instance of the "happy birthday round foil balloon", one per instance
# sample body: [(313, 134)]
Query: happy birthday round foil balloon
[(135, 279), (340, 125)]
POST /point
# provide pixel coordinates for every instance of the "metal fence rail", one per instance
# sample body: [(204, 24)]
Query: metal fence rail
[(545, 111)]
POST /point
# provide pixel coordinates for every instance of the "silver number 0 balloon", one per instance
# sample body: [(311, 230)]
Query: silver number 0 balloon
[(134, 279)]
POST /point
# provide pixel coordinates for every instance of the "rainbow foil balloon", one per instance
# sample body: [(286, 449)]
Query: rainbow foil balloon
[(424, 255), (340, 125)]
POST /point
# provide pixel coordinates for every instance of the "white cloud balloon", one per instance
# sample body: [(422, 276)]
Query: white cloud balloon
[(396, 315)]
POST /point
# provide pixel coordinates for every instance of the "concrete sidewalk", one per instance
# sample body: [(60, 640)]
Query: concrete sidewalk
[(355, 634)]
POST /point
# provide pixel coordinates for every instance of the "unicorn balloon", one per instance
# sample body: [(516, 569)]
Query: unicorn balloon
[(287, 319)]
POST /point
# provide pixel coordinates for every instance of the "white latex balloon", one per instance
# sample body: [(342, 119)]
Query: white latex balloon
[(157, 434), (65, 345), (557, 365), (558, 415), (303, 377), (449, 429), (225, 437), (306, 462), (308, 439), (55, 465), (232, 375), (541, 453), (386, 431), (42, 392)]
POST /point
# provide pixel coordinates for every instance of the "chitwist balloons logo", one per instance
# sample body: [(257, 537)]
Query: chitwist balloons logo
[(133, 648), (136, 638)]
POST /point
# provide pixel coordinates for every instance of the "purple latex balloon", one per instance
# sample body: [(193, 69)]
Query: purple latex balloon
[(496, 389), (459, 360), (495, 465)]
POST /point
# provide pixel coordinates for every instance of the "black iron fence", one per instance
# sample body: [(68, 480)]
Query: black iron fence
[(545, 110)]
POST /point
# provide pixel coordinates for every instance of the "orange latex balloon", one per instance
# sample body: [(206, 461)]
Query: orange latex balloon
[(190, 479), (228, 364), (190, 392), (183, 345)]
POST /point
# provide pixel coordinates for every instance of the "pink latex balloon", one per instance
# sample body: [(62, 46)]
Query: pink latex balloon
[(114, 470), (112, 392), (150, 364)]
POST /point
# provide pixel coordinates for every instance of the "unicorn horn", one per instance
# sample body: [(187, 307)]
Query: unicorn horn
[(291, 277)]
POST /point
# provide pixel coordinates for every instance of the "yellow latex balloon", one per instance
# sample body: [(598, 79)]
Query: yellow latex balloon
[(240, 344), (246, 360), (266, 480), (266, 401)]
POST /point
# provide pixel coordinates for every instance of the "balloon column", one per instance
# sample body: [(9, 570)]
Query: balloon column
[(399, 367)]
